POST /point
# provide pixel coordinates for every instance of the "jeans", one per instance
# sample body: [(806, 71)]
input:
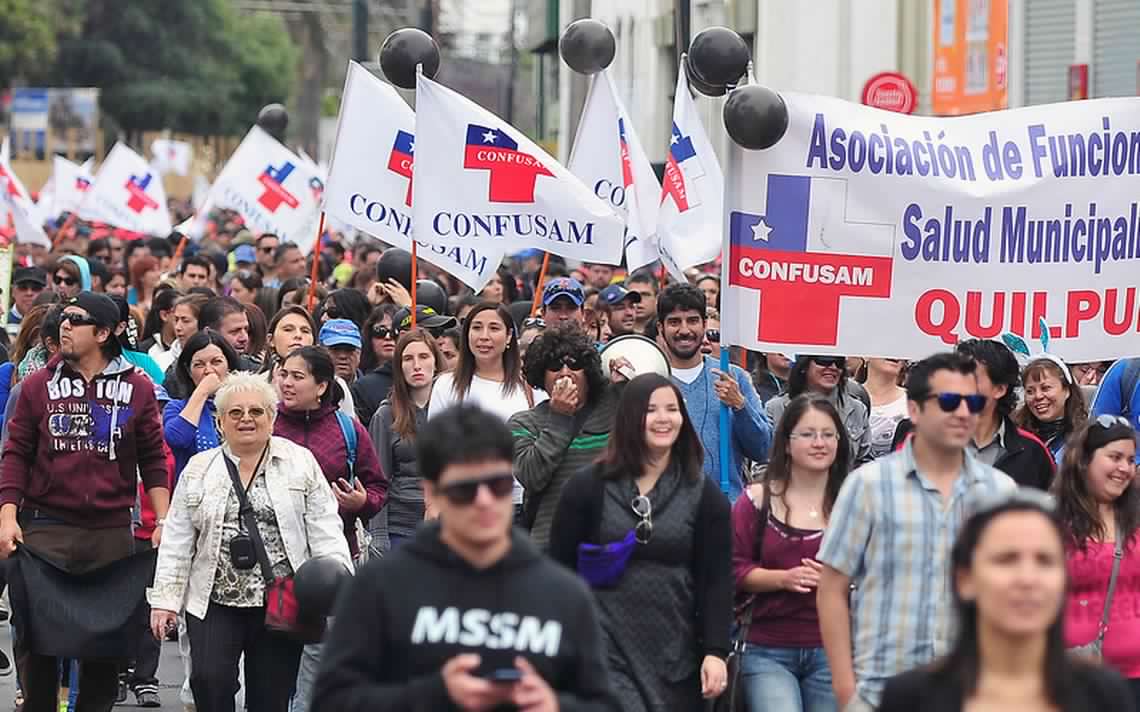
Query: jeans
[(306, 677), (787, 680)]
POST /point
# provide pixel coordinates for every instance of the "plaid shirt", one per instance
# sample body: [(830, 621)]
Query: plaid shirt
[(891, 532)]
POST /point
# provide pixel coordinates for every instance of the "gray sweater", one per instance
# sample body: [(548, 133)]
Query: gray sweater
[(855, 418)]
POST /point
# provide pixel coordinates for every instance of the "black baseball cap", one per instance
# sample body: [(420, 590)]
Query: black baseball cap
[(99, 306), (35, 275), (426, 318)]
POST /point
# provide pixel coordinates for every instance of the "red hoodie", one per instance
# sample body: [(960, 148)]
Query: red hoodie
[(75, 447)]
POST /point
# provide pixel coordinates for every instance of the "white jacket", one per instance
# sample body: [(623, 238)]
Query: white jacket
[(192, 536)]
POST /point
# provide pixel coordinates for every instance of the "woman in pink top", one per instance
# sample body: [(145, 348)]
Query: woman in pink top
[(777, 529), (1098, 502)]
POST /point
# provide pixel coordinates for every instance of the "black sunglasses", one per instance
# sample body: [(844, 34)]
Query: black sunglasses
[(380, 332), (643, 508), (571, 362), (69, 281), (266, 250), (949, 402), (713, 335), (839, 362), (534, 322), (77, 319), (464, 493)]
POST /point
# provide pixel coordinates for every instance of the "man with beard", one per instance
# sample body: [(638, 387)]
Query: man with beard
[(681, 320)]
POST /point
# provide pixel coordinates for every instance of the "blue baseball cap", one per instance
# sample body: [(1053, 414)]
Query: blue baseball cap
[(340, 332), (563, 287), (244, 253), (615, 293)]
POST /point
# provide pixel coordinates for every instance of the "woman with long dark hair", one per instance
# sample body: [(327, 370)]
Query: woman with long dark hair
[(393, 430), (1098, 502), (827, 376), (379, 336), (1054, 406), (345, 304), (159, 341), (1009, 582), (652, 536), (244, 286), (777, 529), (291, 328), (489, 372)]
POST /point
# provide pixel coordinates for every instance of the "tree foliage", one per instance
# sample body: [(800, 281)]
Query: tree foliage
[(27, 39), (188, 65)]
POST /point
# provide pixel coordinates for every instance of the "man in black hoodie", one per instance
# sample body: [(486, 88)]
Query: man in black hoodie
[(467, 615)]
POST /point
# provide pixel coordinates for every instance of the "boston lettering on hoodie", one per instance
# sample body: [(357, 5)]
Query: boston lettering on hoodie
[(390, 637), (75, 447)]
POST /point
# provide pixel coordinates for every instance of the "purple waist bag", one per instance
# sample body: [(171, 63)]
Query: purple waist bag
[(603, 564)]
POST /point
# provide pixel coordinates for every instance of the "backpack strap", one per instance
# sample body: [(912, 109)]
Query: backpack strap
[(348, 429), (1128, 382)]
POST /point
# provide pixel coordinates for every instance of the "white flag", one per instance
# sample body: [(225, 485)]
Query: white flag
[(170, 156), (28, 229), (127, 193), (480, 181), (608, 156), (15, 188), (370, 177), (691, 219), (271, 188), (70, 185), (201, 191)]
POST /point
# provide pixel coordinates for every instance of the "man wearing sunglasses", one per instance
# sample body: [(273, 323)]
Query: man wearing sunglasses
[(266, 246), (489, 623), (84, 429), (890, 533)]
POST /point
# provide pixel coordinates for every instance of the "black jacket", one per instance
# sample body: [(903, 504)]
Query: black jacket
[(1087, 687), (1026, 459), (404, 616), (370, 390)]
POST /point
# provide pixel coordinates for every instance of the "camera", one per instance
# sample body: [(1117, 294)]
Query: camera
[(242, 555)]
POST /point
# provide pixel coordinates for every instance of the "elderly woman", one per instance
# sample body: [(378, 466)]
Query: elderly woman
[(202, 571)]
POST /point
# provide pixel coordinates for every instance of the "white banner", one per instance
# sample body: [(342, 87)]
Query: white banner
[(480, 181), (15, 188), (71, 183), (170, 156), (370, 177), (609, 158), (271, 188), (691, 218), (28, 229), (127, 193), (874, 233)]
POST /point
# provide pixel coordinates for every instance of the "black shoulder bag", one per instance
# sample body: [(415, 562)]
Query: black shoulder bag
[(282, 614)]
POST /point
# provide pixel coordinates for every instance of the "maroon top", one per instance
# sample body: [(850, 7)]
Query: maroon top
[(780, 619)]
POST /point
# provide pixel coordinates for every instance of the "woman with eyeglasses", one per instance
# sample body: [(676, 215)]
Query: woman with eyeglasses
[(1099, 506), (888, 402), (711, 344), (393, 430), (1009, 585), (653, 537), (489, 374), (200, 571), (67, 278), (777, 529), (827, 376), (376, 362), (1054, 406)]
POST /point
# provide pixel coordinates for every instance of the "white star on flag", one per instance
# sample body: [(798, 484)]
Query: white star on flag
[(761, 231), (489, 137)]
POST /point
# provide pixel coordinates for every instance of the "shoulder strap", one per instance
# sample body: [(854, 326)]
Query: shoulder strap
[(247, 516), (1117, 557), (765, 512), (1128, 382), (348, 429)]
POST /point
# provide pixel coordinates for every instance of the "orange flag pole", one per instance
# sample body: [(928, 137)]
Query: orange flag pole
[(315, 274), (540, 284), (174, 262), (67, 225)]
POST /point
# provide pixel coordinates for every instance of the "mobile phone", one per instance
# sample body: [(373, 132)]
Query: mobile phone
[(505, 675)]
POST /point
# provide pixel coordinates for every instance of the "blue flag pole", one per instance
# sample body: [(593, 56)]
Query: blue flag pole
[(725, 425)]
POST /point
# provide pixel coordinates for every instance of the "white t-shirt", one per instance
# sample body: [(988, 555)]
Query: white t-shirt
[(486, 394), (882, 422), (688, 375)]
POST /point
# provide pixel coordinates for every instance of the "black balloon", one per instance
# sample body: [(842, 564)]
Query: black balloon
[(719, 57), (403, 50), (587, 46), (756, 117), (274, 119), (316, 585), (430, 294), (395, 264), (699, 84)]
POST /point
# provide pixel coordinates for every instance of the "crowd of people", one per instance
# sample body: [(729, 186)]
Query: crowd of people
[(532, 529)]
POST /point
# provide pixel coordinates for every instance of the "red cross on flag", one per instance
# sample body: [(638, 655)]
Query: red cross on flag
[(480, 182), (127, 193)]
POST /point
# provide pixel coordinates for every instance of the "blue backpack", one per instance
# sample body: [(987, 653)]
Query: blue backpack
[(348, 429)]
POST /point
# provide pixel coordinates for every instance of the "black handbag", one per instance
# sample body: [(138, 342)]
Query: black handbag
[(733, 697)]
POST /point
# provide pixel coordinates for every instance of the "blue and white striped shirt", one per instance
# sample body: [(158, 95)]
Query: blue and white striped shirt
[(891, 532)]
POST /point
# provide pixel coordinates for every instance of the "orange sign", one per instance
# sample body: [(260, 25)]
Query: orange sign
[(971, 56)]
